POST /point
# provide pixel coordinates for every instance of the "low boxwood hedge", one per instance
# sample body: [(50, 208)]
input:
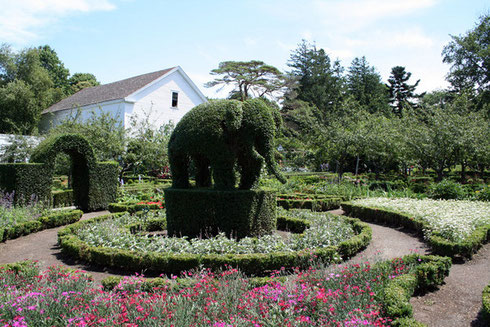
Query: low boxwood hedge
[(134, 206), (253, 264), (62, 198), (314, 202), (57, 218), (486, 303), (438, 244)]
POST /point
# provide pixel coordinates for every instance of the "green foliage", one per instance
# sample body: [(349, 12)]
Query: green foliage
[(446, 189), (220, 134), (486, 303), (401, 92), (469, 56), (320, 81), (256, 263), (94, 183), (251, 79), (79, 81), (51, 220), (63, 198), (236, 213), (26, 180), (440, 245), (365, 85)]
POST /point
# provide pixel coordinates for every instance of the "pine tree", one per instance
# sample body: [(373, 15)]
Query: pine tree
[(401, 93)]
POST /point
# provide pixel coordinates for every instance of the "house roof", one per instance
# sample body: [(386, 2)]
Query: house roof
[(107, 92)]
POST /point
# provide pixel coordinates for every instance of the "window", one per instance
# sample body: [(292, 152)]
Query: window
[(175, 99)]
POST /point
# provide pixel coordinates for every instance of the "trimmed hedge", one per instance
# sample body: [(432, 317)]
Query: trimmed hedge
[(103, 185), (253, 264), (94, 183), (26, 180), (486, 303), (321, 204), (439, 245), (430, 272), (54, 219), (62, 198), (237, 213), (131, 207)]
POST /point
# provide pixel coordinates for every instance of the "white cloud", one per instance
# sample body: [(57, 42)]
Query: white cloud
[(21, 20), (412, 38)]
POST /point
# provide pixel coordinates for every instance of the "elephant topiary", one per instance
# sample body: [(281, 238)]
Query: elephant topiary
[(221, 135)]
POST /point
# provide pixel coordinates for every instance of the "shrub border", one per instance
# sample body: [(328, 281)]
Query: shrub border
[(439, 245), (485, 299), (252, 264), (54, 219)]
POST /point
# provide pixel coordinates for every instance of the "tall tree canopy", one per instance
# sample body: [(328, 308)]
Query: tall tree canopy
[(251, 78), (320, 81), (401, 93), (469, 57), (30, 81), (365, 85)]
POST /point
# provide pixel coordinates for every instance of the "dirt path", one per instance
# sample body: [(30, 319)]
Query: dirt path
[(43, 247), (456, 303)]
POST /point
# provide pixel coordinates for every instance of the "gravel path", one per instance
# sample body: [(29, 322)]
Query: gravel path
[(455, 304)]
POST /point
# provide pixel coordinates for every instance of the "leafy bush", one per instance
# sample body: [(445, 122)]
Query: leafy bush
[(446, 190)]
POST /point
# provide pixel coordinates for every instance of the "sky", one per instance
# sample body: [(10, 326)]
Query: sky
[(117, 39)]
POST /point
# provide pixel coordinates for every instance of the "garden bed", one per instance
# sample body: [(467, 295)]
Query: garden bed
[(49, 220), (134, 252), (347, 296), (452, 228)]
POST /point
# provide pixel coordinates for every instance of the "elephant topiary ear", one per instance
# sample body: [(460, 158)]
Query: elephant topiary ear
[(233, 115)]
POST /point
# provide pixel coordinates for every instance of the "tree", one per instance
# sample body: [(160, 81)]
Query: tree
[(401, 93), (79, 81), (56, 69), (365, 85), (251, 78), (25, 90), (320, 80), (469, 56)]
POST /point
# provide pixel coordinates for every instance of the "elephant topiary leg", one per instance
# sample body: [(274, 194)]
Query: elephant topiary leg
[(179, 167), (203, 174), (250, 165), (223, 175)]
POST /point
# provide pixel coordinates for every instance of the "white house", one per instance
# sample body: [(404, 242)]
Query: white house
[(162, 97)]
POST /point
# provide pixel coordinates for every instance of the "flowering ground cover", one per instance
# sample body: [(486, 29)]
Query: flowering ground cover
[(11, 214), (336, 296), (326, 230), (454, 220)]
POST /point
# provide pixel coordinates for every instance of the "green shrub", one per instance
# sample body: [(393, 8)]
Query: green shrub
[(446, 189), (483, 194), (253, 264), (62, 198), (94, 184), (26, 180), (486, 303), (54, 219), (239, 212)]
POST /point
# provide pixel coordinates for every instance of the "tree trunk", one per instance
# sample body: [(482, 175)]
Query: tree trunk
[(463, 172)]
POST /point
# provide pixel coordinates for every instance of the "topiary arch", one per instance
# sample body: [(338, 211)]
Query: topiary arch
[(94, 184)]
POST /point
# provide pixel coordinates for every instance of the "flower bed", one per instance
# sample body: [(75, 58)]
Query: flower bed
[(108, 241), (17, 220), (451, 227), (338, 296)]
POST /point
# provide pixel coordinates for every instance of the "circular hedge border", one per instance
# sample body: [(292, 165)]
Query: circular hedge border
[(252, 264)]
